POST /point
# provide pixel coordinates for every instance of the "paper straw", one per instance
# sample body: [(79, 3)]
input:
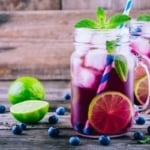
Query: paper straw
[(127, 9), (105, 76)]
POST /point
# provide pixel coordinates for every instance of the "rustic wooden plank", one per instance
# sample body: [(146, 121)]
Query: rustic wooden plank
[(29, 5), (32, 43), (36, 136), (108, 4)]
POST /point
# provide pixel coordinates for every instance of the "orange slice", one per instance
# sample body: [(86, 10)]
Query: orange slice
[(110, 112)]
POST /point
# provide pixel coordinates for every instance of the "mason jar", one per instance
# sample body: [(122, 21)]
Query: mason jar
[(102, 71), (140, 46)]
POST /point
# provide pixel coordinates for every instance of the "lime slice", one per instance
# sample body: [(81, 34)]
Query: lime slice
[(110, 112), (25, 88), (30, 112)]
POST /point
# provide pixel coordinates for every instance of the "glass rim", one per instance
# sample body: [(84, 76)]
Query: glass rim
[(99, 30), (138, 21)]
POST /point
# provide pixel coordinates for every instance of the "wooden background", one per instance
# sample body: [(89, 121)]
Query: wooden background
[(69, 4), (40, 43)]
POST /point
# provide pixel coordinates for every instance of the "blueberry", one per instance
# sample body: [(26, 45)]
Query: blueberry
[(138, 135), (60, 110), (148, 129), (16, 129), (53, 119), (74, 140), (104, 140), (135, 31), (140, 120), (23, 126), (87, 131), (67, 96), (2, 108), (53, 132), (79, 127)]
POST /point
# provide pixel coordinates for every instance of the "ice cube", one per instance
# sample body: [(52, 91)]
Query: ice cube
[(86, 78), (146, 29), (95, 59), (141, 45), (83, 35)]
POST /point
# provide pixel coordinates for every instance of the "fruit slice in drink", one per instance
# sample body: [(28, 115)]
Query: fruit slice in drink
[(139, 72), (140, 84), (110, 112), (30, 111), (141, 90)]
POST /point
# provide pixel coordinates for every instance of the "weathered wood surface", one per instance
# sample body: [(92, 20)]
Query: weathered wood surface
[(10, 5), (107, 4), (36, 136), (39, 43)]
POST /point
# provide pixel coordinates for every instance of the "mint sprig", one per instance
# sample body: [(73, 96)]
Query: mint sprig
[(101, 22), (144, 17), (86, 23), (144, 141), (117, 20), (111, 46), (101, 17), (121, 67)]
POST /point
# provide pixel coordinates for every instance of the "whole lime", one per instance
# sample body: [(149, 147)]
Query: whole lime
[(25, 88)]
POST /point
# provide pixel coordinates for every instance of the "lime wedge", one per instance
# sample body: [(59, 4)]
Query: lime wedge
[(30, 112)]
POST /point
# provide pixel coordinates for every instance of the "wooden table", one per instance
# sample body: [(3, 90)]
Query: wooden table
[(40, 44), (36, 136)]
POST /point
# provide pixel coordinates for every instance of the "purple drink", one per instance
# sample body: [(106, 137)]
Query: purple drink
[(87, 67)]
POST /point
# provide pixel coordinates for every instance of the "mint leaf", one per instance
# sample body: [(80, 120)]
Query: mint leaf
[(101, 17), (117, 20), (121, 67), (111, 46), (86, 23), (144, 141), (144, 17), (102, 22)]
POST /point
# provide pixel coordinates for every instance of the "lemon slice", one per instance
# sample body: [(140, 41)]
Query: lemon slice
[(30, 112), (141, 90)]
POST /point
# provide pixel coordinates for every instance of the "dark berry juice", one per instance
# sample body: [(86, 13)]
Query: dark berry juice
[(110, 110), (84, 85)]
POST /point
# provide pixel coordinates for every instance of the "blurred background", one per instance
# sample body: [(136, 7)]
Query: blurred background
[(9, 5), (36, 34)]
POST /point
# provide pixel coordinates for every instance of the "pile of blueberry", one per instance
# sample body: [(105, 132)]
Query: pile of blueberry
[(18, 128), (75, 140)]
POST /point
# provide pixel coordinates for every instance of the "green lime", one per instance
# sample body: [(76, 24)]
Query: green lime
[(30, 112), (25, 88)]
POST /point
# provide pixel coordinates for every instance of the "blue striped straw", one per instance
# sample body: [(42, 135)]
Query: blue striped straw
[(127, 9), (128, 6)]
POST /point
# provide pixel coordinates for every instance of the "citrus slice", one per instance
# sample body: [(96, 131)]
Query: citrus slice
[(30, 112), (141, 90), (139, 72), (110, 112)]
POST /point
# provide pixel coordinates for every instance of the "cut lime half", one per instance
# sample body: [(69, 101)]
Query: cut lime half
[(30, 112)]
